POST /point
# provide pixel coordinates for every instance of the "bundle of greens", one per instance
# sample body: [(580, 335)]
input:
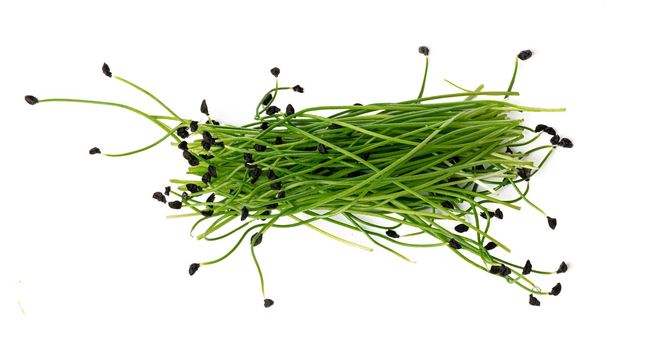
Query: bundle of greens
[(433, 164)]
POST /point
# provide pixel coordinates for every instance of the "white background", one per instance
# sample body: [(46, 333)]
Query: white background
[(93, 263)]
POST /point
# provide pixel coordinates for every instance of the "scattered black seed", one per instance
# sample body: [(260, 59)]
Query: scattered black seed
[(182, 132), (168, 189), (206, 178), (203, 108), (206, 156), (275, 71), (525, 55), (211, 198), (207, 136), (289, 110), (193, 268), (194, 126), (278, 141), (206, 145), (271, 175), (334, 126), (490, 246), (106, 70), (550, 131), (265, 213), (321, 148), (498, 213), (455, 159), (423, 50), (183, 145), (159, 197), (31, 99), (184, 196), (298, 88), (524, 173), (556, 289), (268, 302), (260, 148), (479, 167), (280, 194), (562, 267), (212, 171), (552, 222), (485, 214), (207, 212), (392, 234), (276, 186), (193, 161), (264, 126), (267, 99), (461, 228), (255, 173), (272, 206), (256, 239), (175, 205), (447, 204), (508, 150), (187, 155), (555, 139), (540, 127), (273, 110), (358, 104), (527, 268), (504, 271), (94, 150), (214, 122), (533, 301), (248, 158), (193, 188), (565, 143), (250, 165), (454, 244), (244, 213), (495, 269)]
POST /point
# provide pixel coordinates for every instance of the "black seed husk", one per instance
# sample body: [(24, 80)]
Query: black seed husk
[(244, 213), (280, 194), (533, 301), (184, 195), (498, 213), (31, 99), (194, 126), (182, 132), (525, 55), (94, 150), (260, 148), (212, 171), (206, 156), (566, 143), (175, 205), (298, 88), (527, 268), (289, 110), (461, 228), (334, 126), (490, 246), (193, 268), (206, 178), (207, 213), (248, 158), (193, 188), (268, 302), (193, 161), (214, 122), (485, 214), (392, 234), (550, 131), (524, 173), (256, 239), (272, 206), (555, 139), (540, 127), (255, 173), (275, 71), (495, 269), (366, 156), (211, 198), (276, 186), (159, 197), (250, 165), (168, 189), (183, 145), (562, 267), (278, 141), (321, 148), (264, 126), (106, 70), (272, 110), (271, 175), (504, 271), (203, 108), (556, 289), (423, 50), (206, 145), (552, 222), (447, 204), (267, 99), (454, 244), (508, 150)]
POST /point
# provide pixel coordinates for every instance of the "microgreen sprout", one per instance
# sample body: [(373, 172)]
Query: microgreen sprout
[(374, 169)]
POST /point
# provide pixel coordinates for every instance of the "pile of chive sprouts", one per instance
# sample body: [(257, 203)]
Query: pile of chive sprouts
[(434, 164)]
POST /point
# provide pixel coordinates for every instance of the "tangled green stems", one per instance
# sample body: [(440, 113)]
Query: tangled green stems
[(425, 163)]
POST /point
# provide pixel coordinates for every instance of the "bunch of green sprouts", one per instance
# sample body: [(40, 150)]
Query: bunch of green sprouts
[(434, 164)]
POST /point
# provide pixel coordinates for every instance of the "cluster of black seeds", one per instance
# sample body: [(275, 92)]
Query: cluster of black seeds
[(555, 139)]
